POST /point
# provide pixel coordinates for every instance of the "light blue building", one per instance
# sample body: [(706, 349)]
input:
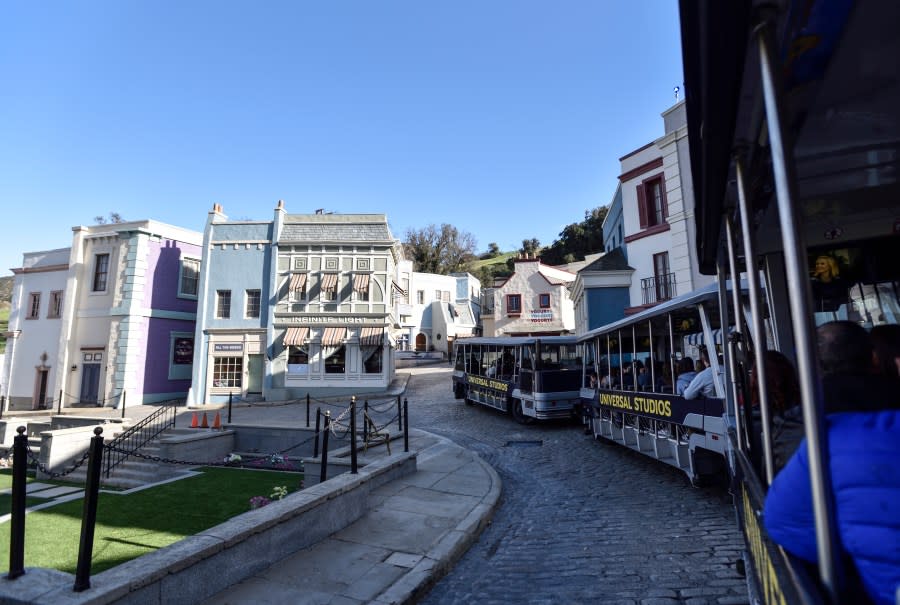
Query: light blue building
[(300, 304)]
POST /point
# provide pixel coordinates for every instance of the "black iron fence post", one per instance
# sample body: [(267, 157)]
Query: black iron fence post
[(122, 403), (405, 424), (316, 443), (307, 410), (354, 468), (230, 398), (2, 404), (323, 470), (17, 518), (366, 422), (59, 403), (89, 516), (399, 414)]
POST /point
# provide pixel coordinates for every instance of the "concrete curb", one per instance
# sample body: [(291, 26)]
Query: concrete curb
[(440, 560)]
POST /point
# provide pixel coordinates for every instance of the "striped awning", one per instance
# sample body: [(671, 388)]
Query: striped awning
[(361, 282), (333, 336), (371, 336), (296, 336), (696, 339), (298, 282), (329, 281)]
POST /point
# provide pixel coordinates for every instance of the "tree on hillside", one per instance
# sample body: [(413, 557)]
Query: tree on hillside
[(577, 239), (441, 250), (530, 246), (114, 219)]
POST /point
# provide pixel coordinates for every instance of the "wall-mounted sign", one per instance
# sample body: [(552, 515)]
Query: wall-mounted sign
[(326, 319), (541, 315), (228, 347)]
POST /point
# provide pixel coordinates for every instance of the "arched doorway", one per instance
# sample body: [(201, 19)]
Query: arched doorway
[(420, 342)]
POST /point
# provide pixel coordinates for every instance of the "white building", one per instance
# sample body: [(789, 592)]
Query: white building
[(658, 216), (534, 300), (31, 368), (435, 310)]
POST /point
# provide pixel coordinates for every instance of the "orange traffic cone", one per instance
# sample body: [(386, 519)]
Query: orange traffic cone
[(217, 422), (194, 421), (205, 424)]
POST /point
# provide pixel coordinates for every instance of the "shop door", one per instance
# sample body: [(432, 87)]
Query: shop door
[(254, 373), (40, 397), (420, 342), (90, 382)]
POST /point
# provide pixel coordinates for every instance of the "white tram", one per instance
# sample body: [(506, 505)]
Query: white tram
[(532, 378)]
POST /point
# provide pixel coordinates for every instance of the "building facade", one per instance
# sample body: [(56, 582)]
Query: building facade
[(300, 304), (31, 367), (600, 291), (658, 216), (435, 310), (121, 312), (534, 300)]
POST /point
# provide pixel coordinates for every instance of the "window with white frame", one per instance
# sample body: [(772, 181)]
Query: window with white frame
[(227, 372), (252, 305), (189, 280), (101, 273), (420, 297), (223, 304)]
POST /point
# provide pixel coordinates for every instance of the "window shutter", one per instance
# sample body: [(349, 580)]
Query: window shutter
[(642, 205), (662, 196)]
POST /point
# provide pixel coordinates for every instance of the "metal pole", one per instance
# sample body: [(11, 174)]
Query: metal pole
[(366, 424), (672, 351), (230, 398), (2, 404), (353, 463), (323, 468), (318, 420), (399, 414), (759, 339), (89, 516), (742, 410), (652, 356), (307, 410), (122, 403), (827, 541), (405, 424), (17, 517), (59, 403)]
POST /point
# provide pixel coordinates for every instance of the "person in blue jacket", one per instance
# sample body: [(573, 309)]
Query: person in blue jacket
[(863, 420)]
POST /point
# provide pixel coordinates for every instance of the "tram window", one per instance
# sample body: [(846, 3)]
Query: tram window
[(856, 283), (526, 358)]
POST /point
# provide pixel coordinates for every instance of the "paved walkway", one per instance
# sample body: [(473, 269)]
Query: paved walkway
[(415, 529)]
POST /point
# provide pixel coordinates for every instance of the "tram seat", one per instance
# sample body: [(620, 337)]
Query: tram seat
[(374, 435)]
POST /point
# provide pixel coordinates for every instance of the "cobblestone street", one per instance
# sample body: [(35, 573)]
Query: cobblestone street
[(580, 521)]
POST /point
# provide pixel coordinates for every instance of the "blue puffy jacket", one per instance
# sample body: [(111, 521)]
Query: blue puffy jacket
[(865, 475)]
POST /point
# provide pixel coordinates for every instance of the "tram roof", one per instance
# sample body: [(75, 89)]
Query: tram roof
[(710, 292), (841, 108), (518, 340)]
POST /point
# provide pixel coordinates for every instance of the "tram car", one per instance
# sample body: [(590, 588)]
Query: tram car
[(631, 389), (531, 378), (794, 136)]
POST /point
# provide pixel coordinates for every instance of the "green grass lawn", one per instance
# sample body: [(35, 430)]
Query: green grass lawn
[(497, 260), (130, 525)]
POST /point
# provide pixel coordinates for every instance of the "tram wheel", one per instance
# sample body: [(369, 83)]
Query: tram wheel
[(517, 413), (465, 396)]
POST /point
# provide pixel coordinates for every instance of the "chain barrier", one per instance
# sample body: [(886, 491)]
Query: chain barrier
[(387, 405), (54, 475)]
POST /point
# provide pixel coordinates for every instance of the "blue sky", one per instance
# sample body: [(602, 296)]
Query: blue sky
[(504, 118)]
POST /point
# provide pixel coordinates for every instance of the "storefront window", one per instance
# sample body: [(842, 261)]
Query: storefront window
[(298, 360), (335, 359), (372, 359), (227, 372)]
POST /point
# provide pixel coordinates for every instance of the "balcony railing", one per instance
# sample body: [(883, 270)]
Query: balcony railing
[(658, 288)]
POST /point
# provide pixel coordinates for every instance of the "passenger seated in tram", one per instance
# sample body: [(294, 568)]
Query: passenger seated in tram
[(703, 384), (864, 445), (886, 342), (784, 401), (609, 378), (686, 374)]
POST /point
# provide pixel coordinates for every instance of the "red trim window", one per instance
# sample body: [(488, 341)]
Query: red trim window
[(652, 206), (513, 304), (544, 301)]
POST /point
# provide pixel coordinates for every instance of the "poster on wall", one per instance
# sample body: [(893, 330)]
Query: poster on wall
[(184, 351)]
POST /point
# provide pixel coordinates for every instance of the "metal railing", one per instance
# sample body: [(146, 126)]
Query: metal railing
[(658, 288), (138, 436)]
